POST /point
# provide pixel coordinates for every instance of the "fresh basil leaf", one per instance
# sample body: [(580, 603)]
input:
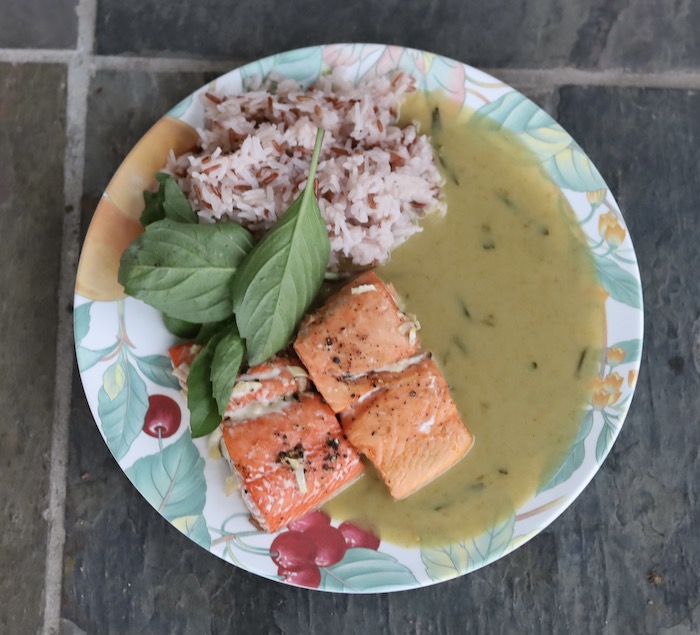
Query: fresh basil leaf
[(210, 329), (175, 203), (167, 202), (154, 207), (224, 368), (185, 270), (279, 278), (181, 328), (204, 414)]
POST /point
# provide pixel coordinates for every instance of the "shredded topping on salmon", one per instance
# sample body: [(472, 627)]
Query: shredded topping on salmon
[(363, 288), (244, 387), (271, 374), (214, 443), (294, 459)]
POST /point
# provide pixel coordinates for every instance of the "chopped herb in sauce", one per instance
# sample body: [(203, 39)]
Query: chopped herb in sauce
[(487, 241), (457, 341), (581, 359)]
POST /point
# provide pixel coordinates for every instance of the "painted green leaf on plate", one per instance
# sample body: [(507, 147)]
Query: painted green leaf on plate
[(122, 406), (87, 358), (564, 161), (367, 570), (492, 543), (605, 440), (158, 369), (516, 113), (573, 170), (302, 65), (195, 528), (443, 563), (172, 480), (81, 321), (574, 458), (632, 349), (620, 284)]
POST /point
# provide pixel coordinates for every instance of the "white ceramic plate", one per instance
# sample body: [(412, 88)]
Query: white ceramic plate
[(121, 344)]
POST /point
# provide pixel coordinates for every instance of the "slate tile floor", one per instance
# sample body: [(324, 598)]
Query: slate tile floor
[(77, 91)]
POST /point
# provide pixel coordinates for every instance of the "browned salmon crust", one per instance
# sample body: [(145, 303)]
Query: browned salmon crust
[(409, 428), (360, 330), (290, 461)]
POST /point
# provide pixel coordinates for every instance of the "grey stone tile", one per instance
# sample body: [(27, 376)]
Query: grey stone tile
[(32, 141), (160, 582), (126, 570), (38, 24), (644, 142), (122, 106), (643, 35)]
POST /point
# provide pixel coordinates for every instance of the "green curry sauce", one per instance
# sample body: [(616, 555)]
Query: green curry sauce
[(509, 304)]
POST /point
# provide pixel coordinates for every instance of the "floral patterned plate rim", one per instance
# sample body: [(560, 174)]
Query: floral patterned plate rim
[(121, 344)]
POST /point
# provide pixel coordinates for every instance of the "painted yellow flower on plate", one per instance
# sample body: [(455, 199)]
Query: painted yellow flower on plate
[(606, 391), (610, 229)]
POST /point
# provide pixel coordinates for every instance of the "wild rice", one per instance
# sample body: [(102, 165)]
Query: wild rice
[(374, 179)]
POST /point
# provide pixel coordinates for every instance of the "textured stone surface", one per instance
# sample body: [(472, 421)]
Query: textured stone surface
[(625, 558), (31, 210), (122, 106), (644, 143), (127, 570), (643, 35), (38, 24)]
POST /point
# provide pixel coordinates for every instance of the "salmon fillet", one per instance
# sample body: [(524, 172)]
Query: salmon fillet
[(290, 461), (184, 353), (182, 357), (280, 376), (409, 428), (360, 330)]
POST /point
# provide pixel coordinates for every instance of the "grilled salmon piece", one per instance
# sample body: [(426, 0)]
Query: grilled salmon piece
[(184, 353), (280, 376), (360, 330), (291, 460), (181, 357), (409, 428)]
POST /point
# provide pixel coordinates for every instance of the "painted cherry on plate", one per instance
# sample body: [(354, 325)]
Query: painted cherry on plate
[(163, 417), (312, 519), (308, 576), (292, 551), (357, 537), (312, 543), (330, 544)]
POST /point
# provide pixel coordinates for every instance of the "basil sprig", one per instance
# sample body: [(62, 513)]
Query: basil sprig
[(227, 360), (185, 270), (279, 278), (208, 274), (204, 413), (167, 202), (181, 328)]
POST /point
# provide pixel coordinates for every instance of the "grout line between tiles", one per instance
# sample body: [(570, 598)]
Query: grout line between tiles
[(163, 64), (80, 64), (557, 77), (34, 56), (76, 113), (520, 77)]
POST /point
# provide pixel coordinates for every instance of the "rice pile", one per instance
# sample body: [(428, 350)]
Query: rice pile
[(374, 179)]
